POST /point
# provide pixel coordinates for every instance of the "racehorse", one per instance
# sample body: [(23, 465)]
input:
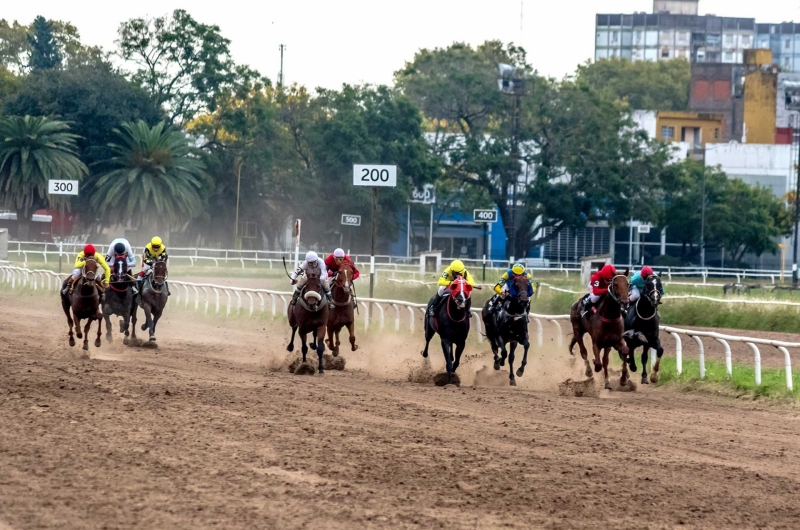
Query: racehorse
[(152, 299), (641, 327), (118, 299), (84, 303), (309, 315), (509, 324), (605, 327), (342, 315), (451, 322)]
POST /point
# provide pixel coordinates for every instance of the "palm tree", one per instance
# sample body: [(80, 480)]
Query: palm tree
[(33, 150), (154, 180)]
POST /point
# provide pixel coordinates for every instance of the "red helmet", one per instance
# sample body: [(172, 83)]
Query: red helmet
[(646, 272), (89, 250), (608, 271)]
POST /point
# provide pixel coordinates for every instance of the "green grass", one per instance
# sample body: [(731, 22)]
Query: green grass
[(742, 383)]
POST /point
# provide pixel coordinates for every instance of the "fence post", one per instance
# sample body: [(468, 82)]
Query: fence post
[(702, 357), (678, 353), (787, 362), (757, 362), (728, 360)]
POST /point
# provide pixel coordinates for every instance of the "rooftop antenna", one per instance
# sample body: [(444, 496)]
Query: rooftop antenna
[(281, 47)]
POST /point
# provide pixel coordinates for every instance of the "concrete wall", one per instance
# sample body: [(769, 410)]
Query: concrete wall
[(760, 100), (711, 126), (714, 89), (766, 165)]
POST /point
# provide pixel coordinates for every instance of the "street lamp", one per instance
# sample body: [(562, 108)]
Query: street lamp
[(512, 84)]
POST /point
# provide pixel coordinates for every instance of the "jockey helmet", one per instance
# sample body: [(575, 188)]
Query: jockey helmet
[(608, 271), (646, 272), (156, 242), (119, 248), (89, 250), (457, 266), (338, 253), (518, 268), (311, 256)]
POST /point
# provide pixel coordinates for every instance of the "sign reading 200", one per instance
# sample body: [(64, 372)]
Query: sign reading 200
[(374, 175)]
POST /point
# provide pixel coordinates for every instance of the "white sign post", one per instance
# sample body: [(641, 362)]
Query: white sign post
[(643, 229), (374, 176), (351, 220), (62, 187)]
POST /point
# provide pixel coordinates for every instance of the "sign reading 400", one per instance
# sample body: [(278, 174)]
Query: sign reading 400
[(374, 175)]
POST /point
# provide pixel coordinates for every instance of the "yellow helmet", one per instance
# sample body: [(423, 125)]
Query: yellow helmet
[(156, 241), (457, 266), (518, 268)]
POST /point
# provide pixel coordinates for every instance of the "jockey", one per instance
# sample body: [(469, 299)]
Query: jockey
[(638, 281), (154, 251), (504, 285), (338, 257), (312, 267), (449, 275), (87, 252), (121, 247), (598, 286)]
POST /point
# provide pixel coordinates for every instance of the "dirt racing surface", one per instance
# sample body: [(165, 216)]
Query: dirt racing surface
[(207, 432)]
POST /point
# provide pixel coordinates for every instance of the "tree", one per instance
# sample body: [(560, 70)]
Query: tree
[(9, 83), (155, 179), (34, 150), (44, 50), (572, 156), (181, 62), (643, 85), (17, 43)]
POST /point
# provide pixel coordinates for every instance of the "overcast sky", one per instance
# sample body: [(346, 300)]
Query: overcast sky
[(330, 42)]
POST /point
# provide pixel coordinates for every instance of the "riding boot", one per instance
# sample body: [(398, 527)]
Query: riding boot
[(68, 287), (492, 305), (166, 285), (587, 306), (295, 296), (435, 305), (330, 299)]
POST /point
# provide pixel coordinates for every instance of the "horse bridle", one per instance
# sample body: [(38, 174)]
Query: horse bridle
[(647, 295), (611, 287)]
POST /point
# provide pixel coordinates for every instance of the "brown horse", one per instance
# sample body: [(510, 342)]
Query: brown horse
[(605, 327), (342, 315), (84, 303), (309, 315)]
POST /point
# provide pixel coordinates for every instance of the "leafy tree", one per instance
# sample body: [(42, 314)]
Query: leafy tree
[(155, 179), (571, 158), (44, 49), (645, 85), (9, 83), (17, 43), (181, 62), (14, 45), (34, 150)]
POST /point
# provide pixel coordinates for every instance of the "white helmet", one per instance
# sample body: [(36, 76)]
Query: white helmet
[(338, 253), (312, 257)]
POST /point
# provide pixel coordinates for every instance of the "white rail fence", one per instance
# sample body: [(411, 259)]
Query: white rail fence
[(209, 298)]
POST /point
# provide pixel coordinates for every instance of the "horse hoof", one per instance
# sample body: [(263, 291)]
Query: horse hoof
[(654, 377), (290, 348), (321, 372), (97, 343), (71, 341), (644, 379), (633, 367), (520, 371), (335, 353), (607, 385), (79, 335), (126, 341), (588, 372), (502, 362), (497, 365), (144, 327), (86, 346), (152, 339), (424, 354), (512, 382), (109, 338), (598, 367), (353, 347)]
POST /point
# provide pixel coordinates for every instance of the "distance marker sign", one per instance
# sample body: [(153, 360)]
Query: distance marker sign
[(374, 175), (484, 216), (351, 220), (62, 187)]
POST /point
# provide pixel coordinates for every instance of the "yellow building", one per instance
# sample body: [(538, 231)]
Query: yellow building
[(694, 128), (760, 97)]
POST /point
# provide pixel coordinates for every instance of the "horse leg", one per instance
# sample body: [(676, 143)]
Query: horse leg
[(351, 329), (108, 326), (68, 311), (320, 347), (290, 346), (597, 365), (331, 333), (338, 340), (86, 333), (303, 346), (623, 350), (606, 351), (428, 336), (526, 345), (148, 322), (132, 325), (314, 340), (511, 350), (632, 357), (503, 353), (97, 342), (156, 317), (459, 350), (659, 353), (645, 356), (77, 324), (447, 350), (495, 348)]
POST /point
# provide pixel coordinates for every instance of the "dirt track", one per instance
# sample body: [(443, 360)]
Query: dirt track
[(203, 433)]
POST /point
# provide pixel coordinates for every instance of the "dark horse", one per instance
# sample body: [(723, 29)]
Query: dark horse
[(309, 315), (509, 325), (152, 299), (451, 322), (605, 327), (118, 299), (84, 303), (641, 323), (342, 315)]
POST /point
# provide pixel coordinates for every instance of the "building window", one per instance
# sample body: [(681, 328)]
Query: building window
[(665, 53), (787, 44), (637, 37), (716, 134), (667, 133), (747, 41), (729, 41), (727, 57), (793, 98), (614, 37)]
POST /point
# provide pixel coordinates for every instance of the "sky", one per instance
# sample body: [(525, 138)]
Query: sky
[(331, 42)]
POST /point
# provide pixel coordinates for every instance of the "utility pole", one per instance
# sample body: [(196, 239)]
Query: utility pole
[(703, 216), (281, 47), (236, 239), (796, 207)]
